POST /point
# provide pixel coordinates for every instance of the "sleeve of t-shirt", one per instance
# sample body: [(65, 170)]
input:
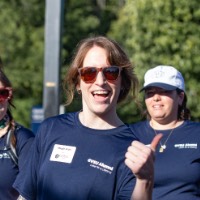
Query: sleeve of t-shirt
[(127, 182), (25, 138), (26, 181)]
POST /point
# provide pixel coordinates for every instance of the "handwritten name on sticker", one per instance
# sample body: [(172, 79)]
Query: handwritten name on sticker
[(63, 153)]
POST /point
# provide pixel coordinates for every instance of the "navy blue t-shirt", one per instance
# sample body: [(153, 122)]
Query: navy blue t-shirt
[(177, 168), (8, 169), (71, 161)]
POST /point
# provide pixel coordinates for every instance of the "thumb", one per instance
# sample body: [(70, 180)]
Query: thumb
[(155, 141)]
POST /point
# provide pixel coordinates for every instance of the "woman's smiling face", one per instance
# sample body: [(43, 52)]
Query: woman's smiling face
[(99, 97), (162, 105)]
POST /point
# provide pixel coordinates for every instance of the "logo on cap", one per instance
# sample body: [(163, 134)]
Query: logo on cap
[(166, 77)]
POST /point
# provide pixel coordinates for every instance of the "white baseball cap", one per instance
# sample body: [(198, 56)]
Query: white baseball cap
[(166, 77)]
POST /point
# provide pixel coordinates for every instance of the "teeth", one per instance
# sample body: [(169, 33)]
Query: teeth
[(100, 92), (156, 106)]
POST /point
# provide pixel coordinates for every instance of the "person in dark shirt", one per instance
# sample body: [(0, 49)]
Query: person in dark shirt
[(80, 155), (15, 141), (177, 164)]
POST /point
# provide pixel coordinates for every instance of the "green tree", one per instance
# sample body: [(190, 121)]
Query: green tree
[(163, 32), (21, 49), (22, 43)]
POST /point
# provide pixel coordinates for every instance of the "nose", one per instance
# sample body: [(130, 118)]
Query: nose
[(156, 97), (100, 79)]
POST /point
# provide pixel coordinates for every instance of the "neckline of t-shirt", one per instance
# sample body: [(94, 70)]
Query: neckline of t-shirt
[(99, 131), (167, 130)]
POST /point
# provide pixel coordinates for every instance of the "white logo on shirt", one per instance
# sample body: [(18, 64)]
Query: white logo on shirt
[(186, 146), (63, 153), (100, 165), (4, 155)]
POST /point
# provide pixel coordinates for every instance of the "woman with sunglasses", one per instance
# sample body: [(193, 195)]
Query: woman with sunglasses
[(81, 155), (15, 142)]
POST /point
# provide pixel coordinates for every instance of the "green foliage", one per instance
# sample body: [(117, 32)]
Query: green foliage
[(85, 18), (163, 32), (22, 44), (21, 49), (128, 111), (151, 31)]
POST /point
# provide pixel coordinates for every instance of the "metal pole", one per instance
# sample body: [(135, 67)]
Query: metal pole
[(53, 27)]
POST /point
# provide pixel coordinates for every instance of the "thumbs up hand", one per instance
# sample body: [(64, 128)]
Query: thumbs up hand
[(140, 158)]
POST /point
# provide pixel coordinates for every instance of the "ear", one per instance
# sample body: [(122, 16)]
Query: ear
[(78, 86), (78, 89), (181, 97)]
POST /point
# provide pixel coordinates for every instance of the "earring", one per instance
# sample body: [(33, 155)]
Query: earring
[(79, 91)]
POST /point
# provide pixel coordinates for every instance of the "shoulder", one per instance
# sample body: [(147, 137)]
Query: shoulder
[(191, 127), (21, 131), (188, 124), (143, 131), (60, 119), (24, 136), (138, 125), (53, 124), (192, 123)]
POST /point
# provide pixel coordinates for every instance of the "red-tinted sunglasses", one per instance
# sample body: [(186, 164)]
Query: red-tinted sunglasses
[(5, 93), (89, 74)]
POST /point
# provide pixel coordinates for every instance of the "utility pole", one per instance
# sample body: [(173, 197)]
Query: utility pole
[(54, 13)]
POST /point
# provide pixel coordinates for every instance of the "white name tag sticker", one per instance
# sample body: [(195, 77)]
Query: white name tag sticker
[(62, 153)]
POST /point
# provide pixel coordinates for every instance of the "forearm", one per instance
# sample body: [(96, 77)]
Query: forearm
[(143, 190)]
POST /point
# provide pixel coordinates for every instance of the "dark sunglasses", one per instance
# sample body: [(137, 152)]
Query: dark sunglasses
[(89, 74), (5, 93)]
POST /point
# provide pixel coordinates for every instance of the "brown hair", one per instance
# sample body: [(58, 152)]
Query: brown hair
[(116, 56), (183, 111)]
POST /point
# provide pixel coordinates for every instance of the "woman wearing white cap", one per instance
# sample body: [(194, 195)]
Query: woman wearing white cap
[(177, 166)]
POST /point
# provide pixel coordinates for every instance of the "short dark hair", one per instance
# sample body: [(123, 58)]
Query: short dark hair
[(183, 111)]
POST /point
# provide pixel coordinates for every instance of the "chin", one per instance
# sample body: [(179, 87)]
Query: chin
[(104, 111)]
